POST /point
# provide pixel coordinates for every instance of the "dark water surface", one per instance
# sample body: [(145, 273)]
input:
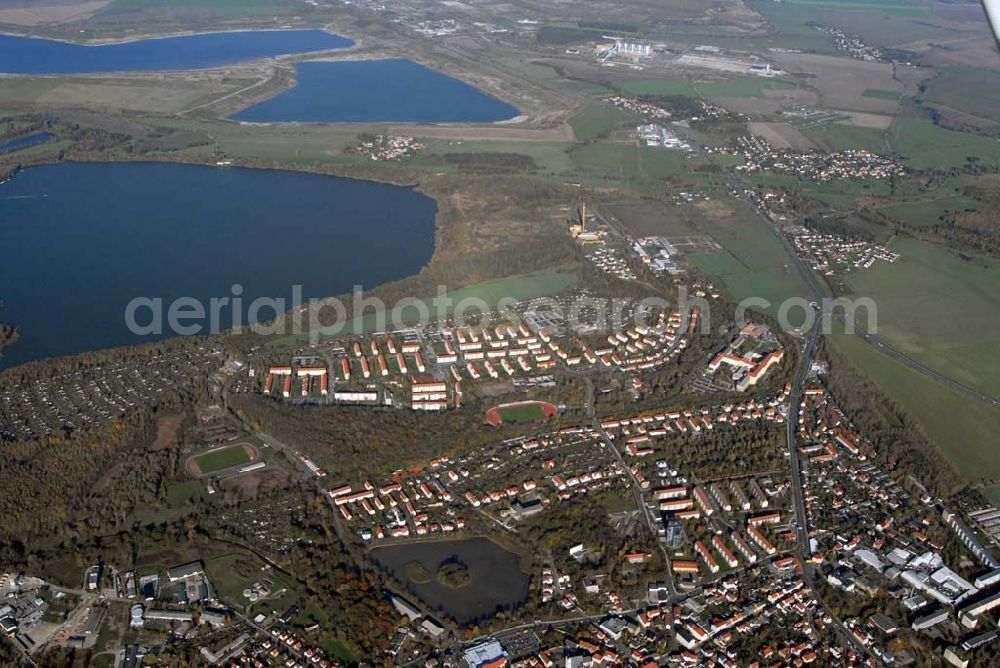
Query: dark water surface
[(79, 241), (368, 91), (496, 577)]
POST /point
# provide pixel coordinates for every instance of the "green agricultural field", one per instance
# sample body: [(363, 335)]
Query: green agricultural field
[(792, 20), (880, 94), (940, 308), (549, 157), (528, 413), (752, 264), (630, 165), (746, 87), (223, 458), (927, 146), (890, 7), (659, 87), (925, 213), (841, 137), (741, 87), (718, 263), (793, 26), (962, 428), (598, 120), (951, 88), (841, 195)]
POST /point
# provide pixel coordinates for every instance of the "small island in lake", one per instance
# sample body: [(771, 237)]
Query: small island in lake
[(454, 574), (416, 572), (9, 334)]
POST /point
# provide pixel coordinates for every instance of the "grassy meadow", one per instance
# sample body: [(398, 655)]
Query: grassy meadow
[(963, 429), (939, 307)]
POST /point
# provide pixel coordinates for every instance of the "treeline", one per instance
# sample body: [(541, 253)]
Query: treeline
[(8, 656), (975, 228), (978, 229), (678, 105), (12, 163), (898, 441), (838, 224)]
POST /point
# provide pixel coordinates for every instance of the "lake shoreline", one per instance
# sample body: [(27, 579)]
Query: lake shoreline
[(43, 56), (408, 92), (331, 226), (110, 41)]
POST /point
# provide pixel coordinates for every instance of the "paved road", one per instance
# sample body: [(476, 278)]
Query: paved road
[(798, 488), (546, 623), (641, 503), (792, 424), (880, 343), (647, 514)]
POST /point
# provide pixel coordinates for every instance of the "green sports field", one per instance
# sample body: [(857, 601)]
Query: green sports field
[(223, 458), (527, 413)]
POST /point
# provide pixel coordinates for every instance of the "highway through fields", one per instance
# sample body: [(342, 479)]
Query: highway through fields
[(805, 361), (819, 294), (802, 550)]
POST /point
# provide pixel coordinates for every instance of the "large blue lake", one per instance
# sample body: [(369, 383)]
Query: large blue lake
[(391, 90), (82, 240), (26, 55)]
